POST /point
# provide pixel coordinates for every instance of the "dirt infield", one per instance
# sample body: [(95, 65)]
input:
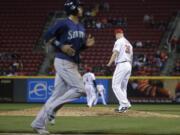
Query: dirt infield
[(24, 134), (84, 111), (56, 134), (50, 134)]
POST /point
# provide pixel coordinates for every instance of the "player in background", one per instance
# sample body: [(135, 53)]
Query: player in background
[(68, 37), (89, 80), (122, 56), (101, 92)]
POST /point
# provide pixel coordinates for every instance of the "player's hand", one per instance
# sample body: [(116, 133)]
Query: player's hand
[(49, 42), (108, 65), (68, 50), (90, 41)]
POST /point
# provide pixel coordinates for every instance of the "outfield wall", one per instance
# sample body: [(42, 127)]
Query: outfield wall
[(140, 89)]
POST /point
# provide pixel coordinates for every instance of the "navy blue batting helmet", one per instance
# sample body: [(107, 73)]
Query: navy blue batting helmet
[(71, 7)]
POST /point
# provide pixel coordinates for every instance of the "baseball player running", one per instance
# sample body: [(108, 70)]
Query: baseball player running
[(101, 92), (122, 56), (89, 80), (68, 36)]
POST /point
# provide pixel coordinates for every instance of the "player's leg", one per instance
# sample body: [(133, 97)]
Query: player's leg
[(93, 96), (69, 72), (40, 120), (124, 87), (88, 93), (116, 84), (103, 98), (96, 100), (117, 80)]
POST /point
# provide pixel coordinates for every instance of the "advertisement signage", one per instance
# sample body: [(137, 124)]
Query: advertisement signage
[(39, 90)]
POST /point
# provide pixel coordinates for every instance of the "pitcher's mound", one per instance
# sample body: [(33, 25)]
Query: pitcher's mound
[(94, 111)]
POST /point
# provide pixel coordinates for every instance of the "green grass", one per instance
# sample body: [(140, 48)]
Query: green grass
[(99, 124), (103, 124), (16, 106), (161, 108)]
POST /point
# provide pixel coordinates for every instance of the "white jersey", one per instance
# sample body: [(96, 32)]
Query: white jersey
[(88, 78), (125, 50), (100, 88)]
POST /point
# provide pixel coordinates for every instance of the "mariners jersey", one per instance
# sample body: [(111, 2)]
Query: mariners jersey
[(67, 32), (125, 50), (88, 78)]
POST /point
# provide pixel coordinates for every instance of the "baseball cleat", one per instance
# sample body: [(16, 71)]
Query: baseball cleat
[(52, 121), (129, 106), (51, 118), (41, 131), (122, 110)]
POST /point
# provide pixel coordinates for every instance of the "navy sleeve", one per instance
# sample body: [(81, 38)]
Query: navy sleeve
[(55, 30), (83, 47)]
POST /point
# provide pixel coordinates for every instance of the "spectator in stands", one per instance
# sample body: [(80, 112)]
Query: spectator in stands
[(98, 25), (87, 12), (104, 22), (177, 93), (112, 20), (11, 71), (93, 24), (124, 22), (104, 6), (162, 25), (119, 21), (177, 67), (138, 44), (1, 71), (95, 10), (86, 67), (148, 20), (163, 56), (173, 42), (138, 62), (178, 46), (159, 63), (153, 88), (15, 65), (51, 71), (1, 54), (21, 65), (148, 44)]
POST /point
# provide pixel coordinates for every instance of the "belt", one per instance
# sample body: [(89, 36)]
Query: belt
[(122, 62)]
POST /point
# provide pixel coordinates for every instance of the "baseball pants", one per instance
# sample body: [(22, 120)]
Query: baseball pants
[(91, 94), (119, 82), (101, 93), (68, 87)]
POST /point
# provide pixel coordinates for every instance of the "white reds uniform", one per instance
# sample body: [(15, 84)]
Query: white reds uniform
[(101, 91), (123, 70), (88, 79)]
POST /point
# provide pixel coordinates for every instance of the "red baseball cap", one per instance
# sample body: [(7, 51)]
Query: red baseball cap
[(118, 30), (88, 69)]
